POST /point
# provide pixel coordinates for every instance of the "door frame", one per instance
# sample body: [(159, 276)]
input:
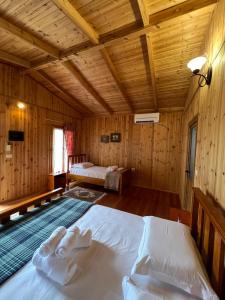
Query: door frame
[(193, 123)]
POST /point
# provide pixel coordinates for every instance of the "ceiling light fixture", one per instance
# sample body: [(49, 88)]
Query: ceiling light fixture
[(195, 65)]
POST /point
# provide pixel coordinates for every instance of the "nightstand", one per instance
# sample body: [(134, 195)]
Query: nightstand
[(56, 180), (183, 216)]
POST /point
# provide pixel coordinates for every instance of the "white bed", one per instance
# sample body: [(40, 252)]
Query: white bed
[(94, 172), (116, 237)]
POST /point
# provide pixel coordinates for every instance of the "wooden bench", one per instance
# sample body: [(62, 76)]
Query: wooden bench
[(11, 207)]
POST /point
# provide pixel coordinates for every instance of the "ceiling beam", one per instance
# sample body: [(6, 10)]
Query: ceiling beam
[(145, 20), (178, 10), (81, 108), (29, 38), (123, 35), (116, 77), (84, 82), (152, 69), (143, 12), (70, 11), (13, 59)]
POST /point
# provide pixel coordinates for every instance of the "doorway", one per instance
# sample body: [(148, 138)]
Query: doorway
[(190, 166)]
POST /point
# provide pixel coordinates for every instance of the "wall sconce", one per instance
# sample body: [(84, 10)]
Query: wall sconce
[(195, 65), (20, 105)]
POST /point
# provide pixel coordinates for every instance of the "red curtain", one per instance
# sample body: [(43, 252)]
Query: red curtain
[(69, 133)]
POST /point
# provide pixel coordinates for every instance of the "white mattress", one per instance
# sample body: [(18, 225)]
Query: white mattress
[(116, 237), (94, 172)]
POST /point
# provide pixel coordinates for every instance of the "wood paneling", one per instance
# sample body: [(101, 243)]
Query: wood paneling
[(43, 18), (26, 173), (149, 76), (174, 44), (152, 149), (209, 104)]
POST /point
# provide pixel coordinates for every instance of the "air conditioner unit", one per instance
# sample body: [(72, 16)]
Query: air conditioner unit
[(146, 118)]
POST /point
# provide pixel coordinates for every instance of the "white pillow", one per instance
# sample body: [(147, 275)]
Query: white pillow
[(120, 169), (131, 291), (83, 165), (112, 168), (167, 253)]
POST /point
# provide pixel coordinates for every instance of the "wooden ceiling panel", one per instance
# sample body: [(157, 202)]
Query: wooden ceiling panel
[(87, 77), (65, 97), (15, 46), (154, 6), (97, 73), (131, 61), (73, 87), (107, 15), (43, 19), (174, 44)]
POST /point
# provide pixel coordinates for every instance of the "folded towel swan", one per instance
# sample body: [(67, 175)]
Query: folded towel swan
[(59, 270), (73, 239), (48, 247), (56, 257), (67, 243)]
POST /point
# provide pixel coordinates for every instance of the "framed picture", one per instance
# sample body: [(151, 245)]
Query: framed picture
[(115, 137), (105, 139)]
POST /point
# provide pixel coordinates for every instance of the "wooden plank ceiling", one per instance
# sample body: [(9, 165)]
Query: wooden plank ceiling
[(105, 57)]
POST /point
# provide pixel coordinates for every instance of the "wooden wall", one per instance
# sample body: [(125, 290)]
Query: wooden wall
[(26, 173), (153, 150), (209, 105)]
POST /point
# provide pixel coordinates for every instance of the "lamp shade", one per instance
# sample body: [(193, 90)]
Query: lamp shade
[(21, 105), (197, 63)]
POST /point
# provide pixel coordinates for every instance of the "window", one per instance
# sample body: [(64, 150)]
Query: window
[(58, 150)]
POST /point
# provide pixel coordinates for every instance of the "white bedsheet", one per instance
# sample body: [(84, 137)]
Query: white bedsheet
[(94, 172), (117, 236), (114, 250)]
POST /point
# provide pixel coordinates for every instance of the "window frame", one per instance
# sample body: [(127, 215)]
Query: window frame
[(63, 152)]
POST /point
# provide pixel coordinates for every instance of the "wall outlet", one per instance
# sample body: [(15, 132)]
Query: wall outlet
[(8, 148), (8, 156), (132, 169)]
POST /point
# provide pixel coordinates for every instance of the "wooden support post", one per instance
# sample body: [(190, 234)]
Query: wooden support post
[(23, 211)]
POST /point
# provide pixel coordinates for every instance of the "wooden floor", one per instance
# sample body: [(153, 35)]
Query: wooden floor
[(139, 201), (142, 202)]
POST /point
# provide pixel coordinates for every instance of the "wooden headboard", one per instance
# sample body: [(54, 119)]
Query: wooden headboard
[(75, 159), (208, 230)]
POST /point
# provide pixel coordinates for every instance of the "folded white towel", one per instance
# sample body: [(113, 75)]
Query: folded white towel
[(58, 269), (112, 168), (84, 239), (67, 243), (48, 247)]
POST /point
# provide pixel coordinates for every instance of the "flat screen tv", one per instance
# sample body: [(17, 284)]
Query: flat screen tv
[(16, 136)]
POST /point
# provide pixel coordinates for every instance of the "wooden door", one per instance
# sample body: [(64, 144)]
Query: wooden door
[(190, 167)]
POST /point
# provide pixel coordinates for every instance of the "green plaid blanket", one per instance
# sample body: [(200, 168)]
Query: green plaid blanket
[(20, 239)]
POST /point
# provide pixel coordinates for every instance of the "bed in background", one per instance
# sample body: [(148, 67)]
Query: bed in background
[(117, 237), (94, 175)]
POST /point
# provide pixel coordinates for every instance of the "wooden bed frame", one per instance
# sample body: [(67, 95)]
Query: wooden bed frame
[(208, 230), (78, 158)]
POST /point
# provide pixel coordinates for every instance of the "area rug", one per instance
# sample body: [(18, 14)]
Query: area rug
[(85, 194)]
